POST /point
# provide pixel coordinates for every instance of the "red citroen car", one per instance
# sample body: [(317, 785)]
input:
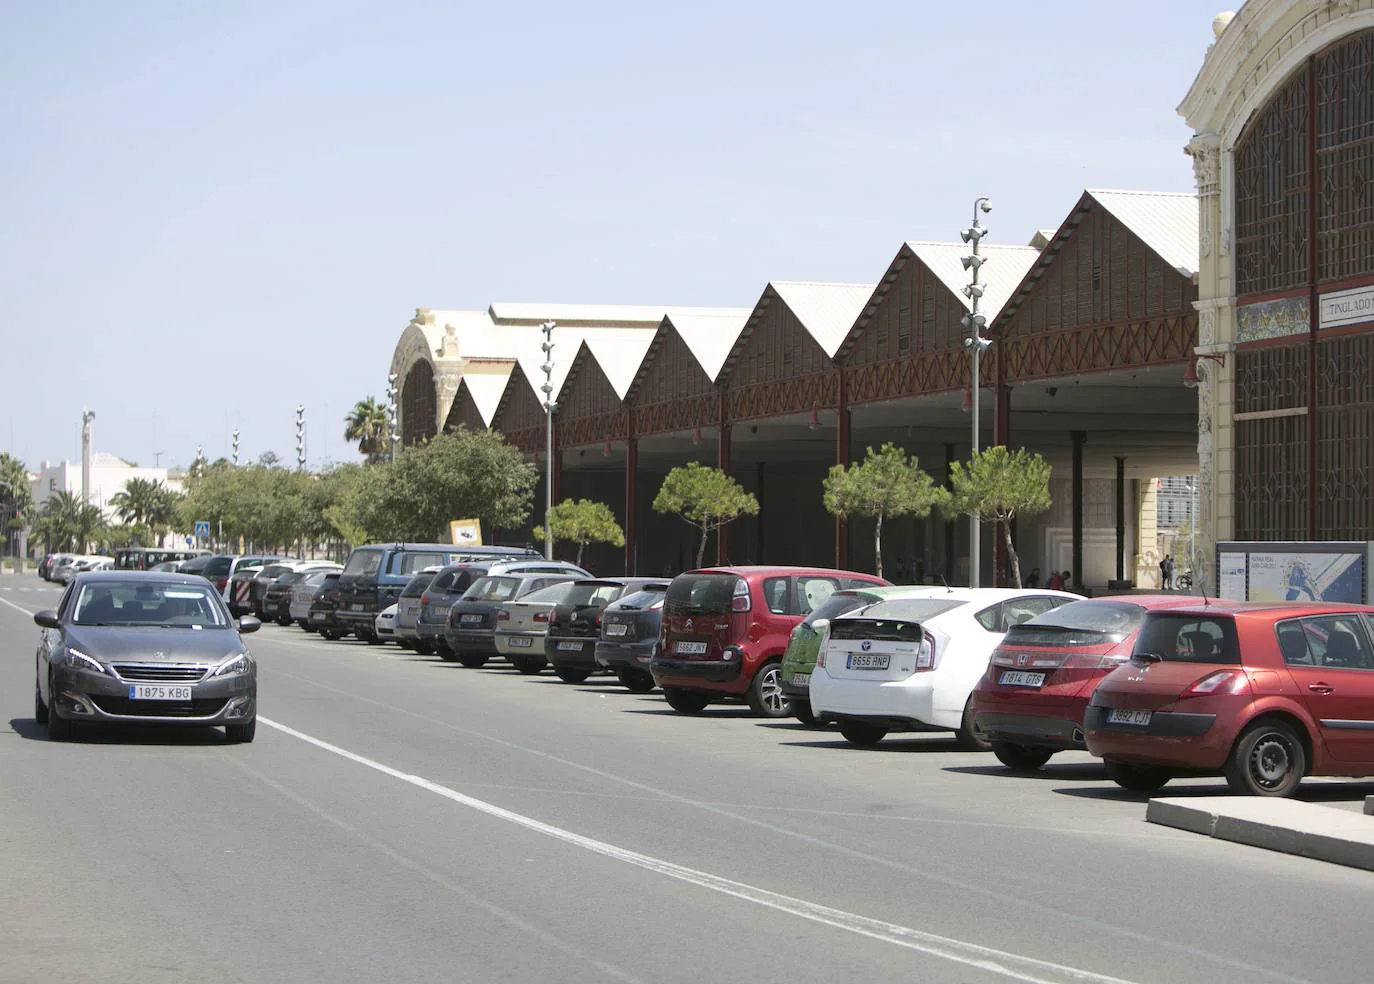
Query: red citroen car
[(1030, 703), (1262, 692), (725, 629)]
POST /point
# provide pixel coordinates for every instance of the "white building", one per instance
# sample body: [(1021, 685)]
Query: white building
[(109, 475)]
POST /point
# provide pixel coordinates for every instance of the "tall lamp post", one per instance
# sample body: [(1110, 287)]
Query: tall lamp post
[(392, 431), (549, 407), (300, 437), (974, 323), (234, 446)]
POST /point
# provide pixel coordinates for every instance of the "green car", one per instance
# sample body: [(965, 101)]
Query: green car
[(805, 643)]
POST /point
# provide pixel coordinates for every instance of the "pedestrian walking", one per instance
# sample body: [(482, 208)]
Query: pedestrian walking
[(1056, 581)]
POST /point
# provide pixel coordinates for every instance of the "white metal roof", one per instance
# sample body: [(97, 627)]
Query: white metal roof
[(583, 315), (619, 354), (826, 311), (1002, 272), (486, 389), (710, 334), (1167, 222)]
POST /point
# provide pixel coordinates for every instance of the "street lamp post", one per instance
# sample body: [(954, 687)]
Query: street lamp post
[(974, 323), (300, 437), (549, 407), (392, 431), (234, 446)]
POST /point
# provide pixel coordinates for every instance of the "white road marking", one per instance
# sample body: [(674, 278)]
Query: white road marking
[(1011, 965), (6, 601)]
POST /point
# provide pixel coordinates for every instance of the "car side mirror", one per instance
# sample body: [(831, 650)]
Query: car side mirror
[(46, 618), (248, 624)]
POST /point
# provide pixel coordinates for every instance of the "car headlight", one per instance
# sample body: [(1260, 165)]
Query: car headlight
[(77, 660), (241, 663)]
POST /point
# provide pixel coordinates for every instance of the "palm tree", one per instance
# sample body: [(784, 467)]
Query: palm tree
[(66, 522), (146, 502), (16, 501), (366, 423)]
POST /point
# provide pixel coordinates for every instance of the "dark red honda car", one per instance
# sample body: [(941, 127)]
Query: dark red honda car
[(1031, 701)]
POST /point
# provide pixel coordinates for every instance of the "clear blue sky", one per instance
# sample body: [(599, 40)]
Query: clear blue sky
[(211, 215)]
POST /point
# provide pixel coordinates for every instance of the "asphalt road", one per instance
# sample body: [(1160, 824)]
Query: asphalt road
[(402, 819)]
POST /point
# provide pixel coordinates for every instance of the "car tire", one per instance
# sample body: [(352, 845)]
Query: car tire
[(862, 733), (241, 734), (59, 728), (1268, 760), (529, 665), (473, 661), (305, 625), (635, 681), (685, 701), (766, 698), (375, 640), (1137, 778), (1021, 758), (447, 654), (424, 649), (40, 709), (284, 621), (802, 712), (568, 675), (968, 737)]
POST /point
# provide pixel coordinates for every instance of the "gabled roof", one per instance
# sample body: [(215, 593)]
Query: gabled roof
[(826, 311), (576, 314), (709, 334), (1167, 222), (619, 355), (486, 389), (1003, 270)]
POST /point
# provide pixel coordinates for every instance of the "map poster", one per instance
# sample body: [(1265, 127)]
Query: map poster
[(1278, 576), (1231, 570)]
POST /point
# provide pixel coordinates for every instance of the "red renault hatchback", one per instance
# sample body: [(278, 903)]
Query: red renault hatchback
[(725, 630), (1262, 692), (1030, 703)]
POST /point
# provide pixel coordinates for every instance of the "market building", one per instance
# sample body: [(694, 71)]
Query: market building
[(1283, 153)]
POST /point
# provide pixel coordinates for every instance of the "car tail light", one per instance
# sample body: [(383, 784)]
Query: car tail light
[(925, 655), (220, 582), (739, 601), (503, 616), (820, 657), (424, 598), (598, 619), (1220, 682), (543, 616), (1108, 661)]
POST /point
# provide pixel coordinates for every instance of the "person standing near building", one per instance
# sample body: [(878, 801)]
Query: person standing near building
[(1166, 572), (1056, 581)]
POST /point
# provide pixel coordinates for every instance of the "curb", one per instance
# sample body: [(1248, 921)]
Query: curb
[(1287, 826)]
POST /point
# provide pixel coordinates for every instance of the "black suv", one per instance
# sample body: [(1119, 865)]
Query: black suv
[(375, 575)]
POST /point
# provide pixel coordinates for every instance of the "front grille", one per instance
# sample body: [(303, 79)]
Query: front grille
[(160, 672), (159, 708)]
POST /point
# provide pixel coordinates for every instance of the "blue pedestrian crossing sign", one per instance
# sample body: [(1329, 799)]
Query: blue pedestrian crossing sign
[(202, 528)]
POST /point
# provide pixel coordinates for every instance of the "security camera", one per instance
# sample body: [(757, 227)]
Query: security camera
[(986, 205)]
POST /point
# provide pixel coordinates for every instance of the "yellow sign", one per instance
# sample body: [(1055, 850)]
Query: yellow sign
[(467, 532)]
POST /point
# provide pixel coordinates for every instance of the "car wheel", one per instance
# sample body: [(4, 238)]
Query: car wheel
[(375, 640), (801, 710), (447, 654), (284, 621), (862, 733), (766, 698), (1137, 778), (572, 676), (424, 649), (473, 661), (968, 737), (241, 734), (1022, 758), (1268, 760), (684, 701), (636, 681), (40, 709), (529, 665), (305, 625)]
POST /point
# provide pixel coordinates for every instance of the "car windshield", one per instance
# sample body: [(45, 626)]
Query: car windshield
[(416, 585), (589, 593), (411, 563), (140, 603), (492, 589)]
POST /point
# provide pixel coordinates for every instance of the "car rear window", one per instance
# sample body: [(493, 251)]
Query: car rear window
[(836, 604), (587, 593), (898, 620), (642, 599), (363, 562), (291, 577), (700, 594), (1183, 638), (417, 585), (918, 609), (553, 594), (1079, 623), (273, 570), (407, 562), (217, 566), (492, 589)]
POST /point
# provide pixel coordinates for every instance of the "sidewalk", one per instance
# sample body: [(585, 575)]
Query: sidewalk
[(1309, 830)]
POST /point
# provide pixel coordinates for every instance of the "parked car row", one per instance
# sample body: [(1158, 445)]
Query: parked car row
[(1158, 686)]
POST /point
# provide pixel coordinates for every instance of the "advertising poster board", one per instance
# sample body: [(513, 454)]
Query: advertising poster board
[(1277, 575), (1231, 579), (466, 532)]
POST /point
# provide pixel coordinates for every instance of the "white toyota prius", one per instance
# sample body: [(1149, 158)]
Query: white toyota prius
[(911, 664)]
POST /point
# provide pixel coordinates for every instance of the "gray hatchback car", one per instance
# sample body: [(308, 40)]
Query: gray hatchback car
[(135, 647)]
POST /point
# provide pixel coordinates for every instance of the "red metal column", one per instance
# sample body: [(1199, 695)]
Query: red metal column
[(631, 497), (723, 463), (842, 458)]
